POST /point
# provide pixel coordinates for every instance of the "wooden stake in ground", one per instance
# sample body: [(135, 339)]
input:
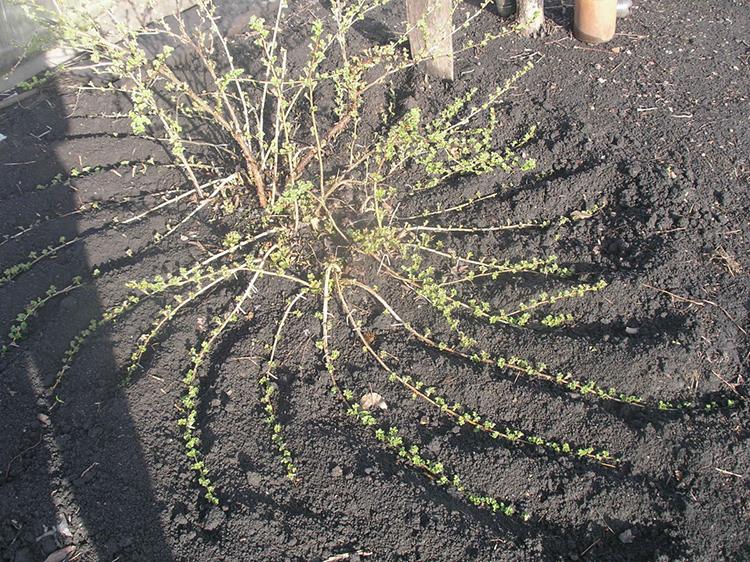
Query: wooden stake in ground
[(531, 15), (432, 35)]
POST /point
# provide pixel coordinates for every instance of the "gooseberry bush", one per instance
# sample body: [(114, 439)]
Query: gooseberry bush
[(314, 200)]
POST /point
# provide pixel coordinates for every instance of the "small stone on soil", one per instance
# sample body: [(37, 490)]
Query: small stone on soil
[(634, 170), (254, 479), (214, 519), (337, 472), (626, 537)]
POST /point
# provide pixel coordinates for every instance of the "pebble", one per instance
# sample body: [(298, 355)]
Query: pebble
[(626, 537), (634, 170), (337, 472), (254, 479), (214, 519)]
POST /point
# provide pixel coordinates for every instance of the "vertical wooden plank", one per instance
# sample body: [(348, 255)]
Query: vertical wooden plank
[(531, 16), (432, 35)]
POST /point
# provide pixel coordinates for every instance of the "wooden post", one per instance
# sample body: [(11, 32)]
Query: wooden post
[(531, 15), (432, 35)]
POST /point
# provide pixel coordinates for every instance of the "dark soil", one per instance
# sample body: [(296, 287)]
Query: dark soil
[(654, 123)]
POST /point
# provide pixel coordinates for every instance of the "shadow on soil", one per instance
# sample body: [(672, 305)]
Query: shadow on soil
[(95, 476)]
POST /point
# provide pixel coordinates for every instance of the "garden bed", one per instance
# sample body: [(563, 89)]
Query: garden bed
[(641, 145)]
